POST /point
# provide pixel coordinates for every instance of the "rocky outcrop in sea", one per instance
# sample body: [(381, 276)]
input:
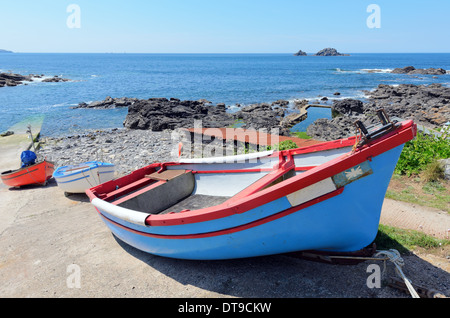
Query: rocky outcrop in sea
[(108, 102), (10, 79), (329, 52), (410, 70), (300, 53)]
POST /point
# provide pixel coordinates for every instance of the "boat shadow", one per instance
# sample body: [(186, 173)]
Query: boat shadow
[(51, 183), (78, 197), (287, 276)]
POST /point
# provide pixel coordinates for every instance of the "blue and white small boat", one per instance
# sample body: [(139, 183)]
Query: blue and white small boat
[(327, 197), (78, 178)]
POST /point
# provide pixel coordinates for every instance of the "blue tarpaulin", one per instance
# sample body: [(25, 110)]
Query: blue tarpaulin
[(28, 158)]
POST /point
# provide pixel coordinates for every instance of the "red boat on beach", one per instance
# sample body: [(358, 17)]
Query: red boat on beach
[(38, 173)]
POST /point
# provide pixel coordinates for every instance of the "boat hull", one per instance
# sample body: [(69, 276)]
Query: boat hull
[(344, 221), (79, 178), (38, 173), (333, 205)]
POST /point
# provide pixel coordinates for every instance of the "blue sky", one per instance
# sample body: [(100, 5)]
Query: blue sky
[(228, 26)]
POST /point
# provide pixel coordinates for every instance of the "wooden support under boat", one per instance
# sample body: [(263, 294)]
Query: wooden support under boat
[(336, 258)]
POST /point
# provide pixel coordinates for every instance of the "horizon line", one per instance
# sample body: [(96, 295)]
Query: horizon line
[(309, 54)]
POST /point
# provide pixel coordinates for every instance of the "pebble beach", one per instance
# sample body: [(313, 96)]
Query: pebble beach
[(128, 149)]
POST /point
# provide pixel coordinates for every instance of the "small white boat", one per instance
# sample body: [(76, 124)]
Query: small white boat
[(79, 178)]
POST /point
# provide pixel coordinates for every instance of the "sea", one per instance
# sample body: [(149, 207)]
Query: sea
[(220, 78)]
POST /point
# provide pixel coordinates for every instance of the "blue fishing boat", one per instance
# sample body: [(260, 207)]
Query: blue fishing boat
[(325, 197)]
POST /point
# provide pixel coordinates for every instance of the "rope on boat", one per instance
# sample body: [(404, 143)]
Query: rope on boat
[(393, 256), (358, 133), (87, 177)]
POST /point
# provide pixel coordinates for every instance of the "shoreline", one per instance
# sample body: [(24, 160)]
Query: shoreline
[(428, 104), (44, 234)]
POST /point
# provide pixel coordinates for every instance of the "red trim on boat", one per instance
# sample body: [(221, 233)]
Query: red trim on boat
[(329, 145), (233, 229)]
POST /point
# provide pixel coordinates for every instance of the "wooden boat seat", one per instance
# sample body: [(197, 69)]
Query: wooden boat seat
[(171, 187), (165, 175)]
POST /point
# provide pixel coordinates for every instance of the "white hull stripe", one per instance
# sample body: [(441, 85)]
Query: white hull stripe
[(311, 192)]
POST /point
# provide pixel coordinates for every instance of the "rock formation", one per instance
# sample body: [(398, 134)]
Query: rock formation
[(329, 52), (300, 53), (10, 79), (413, 70), (427, 105)]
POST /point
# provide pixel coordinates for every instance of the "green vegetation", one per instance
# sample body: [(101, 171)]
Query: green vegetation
[(301, 134), (284, 145), (423, 151), (419, 176), (404, 240)]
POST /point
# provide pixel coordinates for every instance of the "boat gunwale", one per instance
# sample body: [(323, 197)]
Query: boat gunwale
[(403, 133)]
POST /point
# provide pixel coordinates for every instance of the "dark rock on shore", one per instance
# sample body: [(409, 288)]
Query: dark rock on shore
[(329, 52), (158, 114), (327, 130), (413, 70), (261, 116), (427, 105), (300, 53), (348, 107)]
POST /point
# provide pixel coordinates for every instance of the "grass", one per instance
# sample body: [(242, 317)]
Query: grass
[(301, 134), (416, 190), (405, 240), (419, 177)]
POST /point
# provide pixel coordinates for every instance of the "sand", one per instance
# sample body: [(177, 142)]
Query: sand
[(47, 239)]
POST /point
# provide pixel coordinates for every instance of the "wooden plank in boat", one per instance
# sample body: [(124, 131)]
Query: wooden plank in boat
[(166, 175)]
